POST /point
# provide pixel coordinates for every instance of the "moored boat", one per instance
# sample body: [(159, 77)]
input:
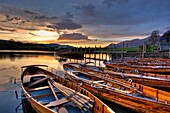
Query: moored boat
[(144, 61), (150, 61), (135, 96), (158, 81), (50, 93), (140, 68)]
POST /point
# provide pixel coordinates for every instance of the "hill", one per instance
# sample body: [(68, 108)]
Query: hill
[(130, 43), (153, 39), (14, 45)]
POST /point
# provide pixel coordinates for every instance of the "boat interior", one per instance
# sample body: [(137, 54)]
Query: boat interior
[(103, 84), (40, 88), (127, 88)]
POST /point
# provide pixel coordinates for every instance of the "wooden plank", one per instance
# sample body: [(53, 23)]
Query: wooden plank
[(57, 102), (38, 81), (39, 88), (51, 87)]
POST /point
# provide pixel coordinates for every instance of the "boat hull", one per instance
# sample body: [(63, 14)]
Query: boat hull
[(136, 104), (37, 107), (149, 69)]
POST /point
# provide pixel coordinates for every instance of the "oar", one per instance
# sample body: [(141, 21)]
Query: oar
[(77, 93), (122, 84), (71, 95), (67, 94), (81, 98), (51, 87), (115, 81), (118, 82), (38, 81), (62, 109)]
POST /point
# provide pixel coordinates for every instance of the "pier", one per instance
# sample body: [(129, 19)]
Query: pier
[(102, 54)]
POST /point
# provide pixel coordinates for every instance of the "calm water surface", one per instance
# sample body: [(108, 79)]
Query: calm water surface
[(10, 68)]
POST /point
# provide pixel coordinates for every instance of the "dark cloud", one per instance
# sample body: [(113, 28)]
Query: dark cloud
[(9, 18), (110, 3), (33, 34), (87, 10), (13, 13), (14, 20), (30, 12), (53, 17), (6, 29), (74, 36), (69, 15), (25, 27), (40, 17), (36, 15), (65, 24)]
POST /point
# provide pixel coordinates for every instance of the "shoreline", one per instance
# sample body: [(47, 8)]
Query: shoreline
[(26, 52)]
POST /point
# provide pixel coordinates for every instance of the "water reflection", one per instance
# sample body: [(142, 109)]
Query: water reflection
[(13, 57), (10, 67)]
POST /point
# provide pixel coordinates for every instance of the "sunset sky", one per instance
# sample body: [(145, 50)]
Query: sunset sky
[(82, 22)]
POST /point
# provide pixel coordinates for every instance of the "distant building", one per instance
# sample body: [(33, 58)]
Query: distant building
[(165, 41)]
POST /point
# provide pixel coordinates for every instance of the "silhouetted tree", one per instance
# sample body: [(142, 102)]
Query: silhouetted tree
[(154, 37)]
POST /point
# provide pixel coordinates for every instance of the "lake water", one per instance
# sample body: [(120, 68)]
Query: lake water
[(10, 68)]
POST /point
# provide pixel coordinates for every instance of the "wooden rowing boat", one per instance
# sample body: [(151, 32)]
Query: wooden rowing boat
[(158, 81), (150, 61), (140, 68), (50, 93), (135, 96), (144, 61)]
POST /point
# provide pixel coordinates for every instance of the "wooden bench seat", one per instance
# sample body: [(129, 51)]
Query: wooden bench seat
[(57, 102), (39, 88)]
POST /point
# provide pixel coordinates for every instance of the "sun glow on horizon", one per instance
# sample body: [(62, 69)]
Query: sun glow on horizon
[(43, 33), (44, 36)]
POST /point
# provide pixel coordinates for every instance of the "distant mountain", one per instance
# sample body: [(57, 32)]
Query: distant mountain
[(131, 43), (153, 39)]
